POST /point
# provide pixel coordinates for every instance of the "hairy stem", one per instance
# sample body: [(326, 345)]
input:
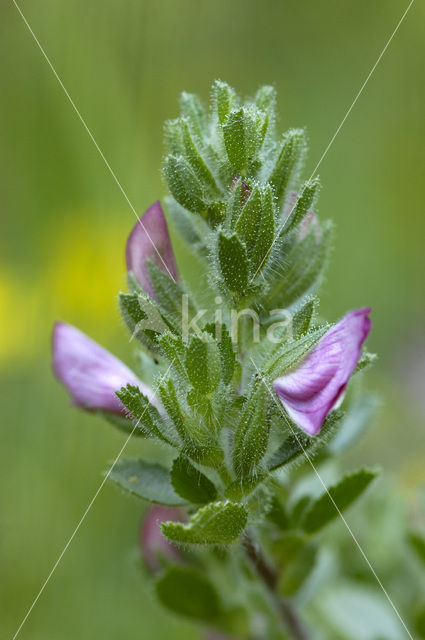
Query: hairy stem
[(269, 577)]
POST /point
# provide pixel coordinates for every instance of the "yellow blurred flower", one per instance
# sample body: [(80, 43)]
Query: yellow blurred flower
[(83, 271)]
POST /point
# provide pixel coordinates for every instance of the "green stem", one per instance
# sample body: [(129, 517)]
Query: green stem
[(269, 577)]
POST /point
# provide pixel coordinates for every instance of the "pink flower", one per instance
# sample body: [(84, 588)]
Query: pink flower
[(313, 389), (152, 542), (90, 373), (149, 240)]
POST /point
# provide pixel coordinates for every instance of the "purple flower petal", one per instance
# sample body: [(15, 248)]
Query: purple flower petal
[(149, 240), (152, 542), (312, 390), (90, 373)]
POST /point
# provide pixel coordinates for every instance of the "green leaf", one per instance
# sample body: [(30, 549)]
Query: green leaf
[(296, 559), (305, 265), (191, 484), (265, 98), (299, 509), (252, 432), (233, 263), (239, 195), (235, 140), (256, 125), (125, 424), (366, 360), (146, 480), (299, 444), (304, 203), (298, 571), (170, 401), (225, 346), (288, 162), (234, 204), (288, 355), (266, 231), (248, 223), (188, 593), (418, 543), (289, 450), (173, 137), (192, 109), (143, 318), (184, 184), (323, 510), (175, 350), (216, 523), (170, 296), (190, 227), (147, 416), (224, 98), (278, 514), (242, 487), (255, 225), (302, 318), (196, 160), (203, 363)]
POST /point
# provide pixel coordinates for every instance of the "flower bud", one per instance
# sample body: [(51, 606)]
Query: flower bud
[(153, 544), (150, 240), (91, 374)]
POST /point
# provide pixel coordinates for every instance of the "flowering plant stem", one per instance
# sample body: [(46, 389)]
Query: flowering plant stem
[(246, 392), (270, 577)]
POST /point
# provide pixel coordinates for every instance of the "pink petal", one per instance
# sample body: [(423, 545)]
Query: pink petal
[(90, 373), (312, 390), (152, 542), (149, 240)]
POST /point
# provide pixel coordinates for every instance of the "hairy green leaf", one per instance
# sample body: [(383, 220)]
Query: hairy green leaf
[(143, 317), (193, 110), (302, 318), (224, 98), (189, 593), (203, 363), (190, 483), (146, 415), (338, 498), (304, 203), (146, 480), (184, 184), (233, 263), (252, 432), (216, 523), (196, 161), (225, 346), (288, 162), (235, 140)]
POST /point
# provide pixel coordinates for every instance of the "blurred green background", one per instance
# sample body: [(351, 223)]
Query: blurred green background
[(65, 223)]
